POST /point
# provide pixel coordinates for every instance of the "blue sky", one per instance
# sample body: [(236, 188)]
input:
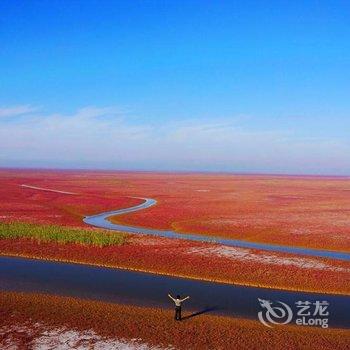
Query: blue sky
[(242, 86)]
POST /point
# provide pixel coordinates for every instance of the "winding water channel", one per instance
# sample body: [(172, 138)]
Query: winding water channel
[(101, 220)]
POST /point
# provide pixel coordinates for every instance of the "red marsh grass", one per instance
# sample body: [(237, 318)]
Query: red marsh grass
[(28, 316), (307, 211)]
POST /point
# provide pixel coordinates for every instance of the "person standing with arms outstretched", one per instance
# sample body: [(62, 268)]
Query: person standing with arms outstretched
[(178, 301)]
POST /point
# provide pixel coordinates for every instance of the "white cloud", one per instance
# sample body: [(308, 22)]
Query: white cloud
[(16, 110), (103, 137)]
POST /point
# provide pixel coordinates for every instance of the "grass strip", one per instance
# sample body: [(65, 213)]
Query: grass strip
[(60, 234)]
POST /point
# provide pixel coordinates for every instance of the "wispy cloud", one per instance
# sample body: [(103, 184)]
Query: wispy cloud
[(104, 137), (16, 110)]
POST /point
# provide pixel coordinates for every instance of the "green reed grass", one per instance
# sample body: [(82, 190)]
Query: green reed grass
[(60, 234)]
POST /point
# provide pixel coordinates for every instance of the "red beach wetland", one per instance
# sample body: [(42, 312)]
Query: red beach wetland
[(41, 217), (256, 208), (310, 212)]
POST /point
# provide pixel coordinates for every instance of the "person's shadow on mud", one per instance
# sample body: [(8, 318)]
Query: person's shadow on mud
[(201, 312)]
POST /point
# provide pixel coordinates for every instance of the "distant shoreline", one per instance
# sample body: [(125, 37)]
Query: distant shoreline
[(174, 172)]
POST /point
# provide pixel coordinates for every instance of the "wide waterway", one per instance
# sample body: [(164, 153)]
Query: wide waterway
[(145, 289)]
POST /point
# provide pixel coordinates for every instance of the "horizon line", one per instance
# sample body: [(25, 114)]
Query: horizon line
[(199, 172)]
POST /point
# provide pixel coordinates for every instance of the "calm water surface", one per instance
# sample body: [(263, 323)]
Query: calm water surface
[(121, 286)]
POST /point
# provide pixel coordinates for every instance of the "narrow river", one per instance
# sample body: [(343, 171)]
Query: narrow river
[(101, 220)]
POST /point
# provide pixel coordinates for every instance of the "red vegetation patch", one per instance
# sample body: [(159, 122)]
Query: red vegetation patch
[(20, 203), (151, 326), (299, 211)]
